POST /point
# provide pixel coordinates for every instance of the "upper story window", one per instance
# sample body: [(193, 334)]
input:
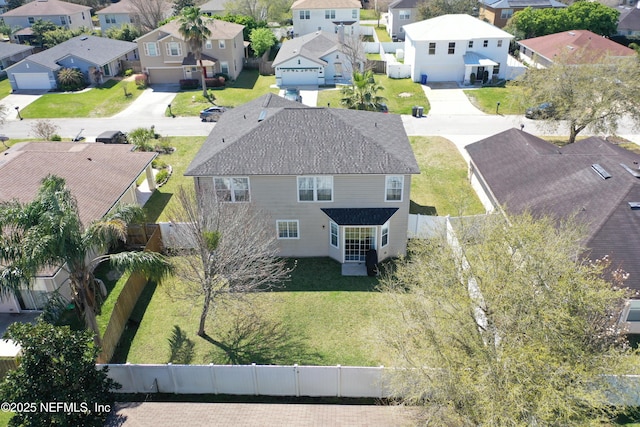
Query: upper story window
[(151, 49), (405, 14), (82, 18), (452, 48), (305, 14), (31, 20), (393, 188), (354, 13), (329, 14), (470, 44), (506, 13), (110, 19), (499, 43), (315, 188), (432, 48), (174, 49), (233, 189), (208, 44), (485, 43), (222, 44)]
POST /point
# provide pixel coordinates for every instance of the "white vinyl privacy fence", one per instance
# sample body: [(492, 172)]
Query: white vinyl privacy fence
[(259, 380)]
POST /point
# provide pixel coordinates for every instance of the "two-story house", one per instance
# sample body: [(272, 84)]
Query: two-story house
[(124, 12), (165, 56), (63, 14), (400, 13), (498, 12), (335, 182), (310, 16), (455, 47)]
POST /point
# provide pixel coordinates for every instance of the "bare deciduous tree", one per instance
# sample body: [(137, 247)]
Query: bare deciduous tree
[(232, 250), (150, 12), (44, 129)]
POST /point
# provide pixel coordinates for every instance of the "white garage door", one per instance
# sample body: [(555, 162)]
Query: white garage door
[(299, 77), (32, 80)]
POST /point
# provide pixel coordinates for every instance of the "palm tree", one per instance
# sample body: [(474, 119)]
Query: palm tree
[(48, 232), (193, 28), (362, 94)]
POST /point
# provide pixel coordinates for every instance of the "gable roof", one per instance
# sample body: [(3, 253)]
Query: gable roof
[(312, 46), (408, 4), (274, 136), (47, 7), (219, 29), (123, 6), (213, 5), (97, 174), (595, 45), (526, 173), (521, 4), (326, 4), (453, 27), (10, 49), (629, 18), (93, 49)]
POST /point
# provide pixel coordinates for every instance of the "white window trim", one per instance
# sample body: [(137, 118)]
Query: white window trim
[(146, 48), (330, 14), (231, 189), (382, 234), (222, 44), (315, 189), (337, 245), (208, 44), (224, 64), (404, 15), (386, 188), (169, 44), (287, 221)]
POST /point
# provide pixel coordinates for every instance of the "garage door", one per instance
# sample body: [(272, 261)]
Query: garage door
[(32, 80), (299, 76), (164, 75)]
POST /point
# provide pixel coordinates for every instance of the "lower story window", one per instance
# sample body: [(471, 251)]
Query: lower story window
[(334, 234), (384, 238), (287, 229)]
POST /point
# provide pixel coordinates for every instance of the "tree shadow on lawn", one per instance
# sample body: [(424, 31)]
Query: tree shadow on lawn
[(250, 337), (246, 80), (156, 204)]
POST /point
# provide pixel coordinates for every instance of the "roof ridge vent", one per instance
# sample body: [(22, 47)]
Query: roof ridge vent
[(601, 171)]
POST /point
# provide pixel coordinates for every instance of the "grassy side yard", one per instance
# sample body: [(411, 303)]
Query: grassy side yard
[(486, 99), (249, 85), (5, 88), (401, 95), (442, 187), (103, 101)]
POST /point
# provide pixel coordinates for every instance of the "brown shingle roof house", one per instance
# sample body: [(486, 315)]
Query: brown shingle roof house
[(595, 180)]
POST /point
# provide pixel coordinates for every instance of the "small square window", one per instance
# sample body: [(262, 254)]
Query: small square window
[(470, 44), (452, 48), (222, 44), (432, 48), (485, 43), (287, 229), (499, 43)]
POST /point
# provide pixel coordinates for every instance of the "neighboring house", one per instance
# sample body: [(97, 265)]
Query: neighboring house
[(165, 56), (213, 7), (589, 48), (314, 59), (498, 12), (592, 179), (453, 47), (63, 14), (401, 12), (121, 13), (310, 16), (10, 53), (335, 182), (96, 57), (629, 21), (100, 177)]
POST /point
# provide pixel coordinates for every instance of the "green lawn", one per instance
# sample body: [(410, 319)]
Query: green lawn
[(382, 34), (401, 94), (442, 187), (5, 417), (249, 85), (368, 15), (186, 149), (5, 88), (486, 99)]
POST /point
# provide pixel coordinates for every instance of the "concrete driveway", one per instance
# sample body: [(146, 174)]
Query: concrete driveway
[(19, 99), (153, 102), (447, 98)]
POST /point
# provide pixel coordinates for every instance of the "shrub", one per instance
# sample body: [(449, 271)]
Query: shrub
[(141, 81), (44, 129), (164, 146), (214, 82), (128, 72), (56, 137), (70, 79), (472, 78), (140, 138), (162, 176), (158, 164), (223, 75), (189, 84)]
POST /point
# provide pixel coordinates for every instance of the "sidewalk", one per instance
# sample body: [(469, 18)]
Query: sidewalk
[(171, 414)]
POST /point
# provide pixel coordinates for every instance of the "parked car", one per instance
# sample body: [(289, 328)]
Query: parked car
[(383, 108), (292, 94), (542, 111), (112, 137), (212, 114)]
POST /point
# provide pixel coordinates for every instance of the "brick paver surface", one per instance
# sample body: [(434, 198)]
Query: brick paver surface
[(172, 414)]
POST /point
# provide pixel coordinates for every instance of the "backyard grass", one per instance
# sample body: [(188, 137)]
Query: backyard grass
[(103, 101), (5, 88), (368, 15), (486, 99), (325, 319), (248, 86), (401, 95), (186, 149), (374, 56), (442, 187)]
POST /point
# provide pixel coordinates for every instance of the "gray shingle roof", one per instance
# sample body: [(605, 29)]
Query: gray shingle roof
[(359, 216), (9, 49), (629, 19), (48, 7), (312, 46), (526, 173), (96, 50), (293, 139), (407, 4)]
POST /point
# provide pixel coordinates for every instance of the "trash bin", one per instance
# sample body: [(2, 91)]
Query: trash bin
[(372, 262), (420, 111), (423, 79), (414, 111)]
